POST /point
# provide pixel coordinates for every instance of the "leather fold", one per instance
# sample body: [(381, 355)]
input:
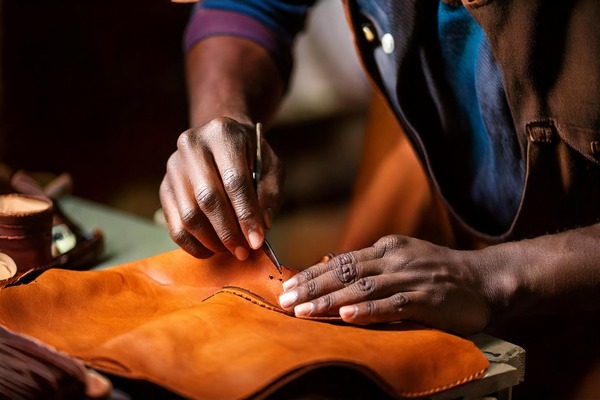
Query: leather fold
[(213, 329)]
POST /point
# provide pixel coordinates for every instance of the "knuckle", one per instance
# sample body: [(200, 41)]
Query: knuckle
[(399, 300), (344, 259), (390, 242), (365, 286), (208, 199), (311, 288), (224, 128), (370, 308), (245, 214), (216, 124), (189, 217), (183, 141), (233, 181), (346, 273), (220, 122), (189, 244), (396, 246), (187, 139), (179, 236), (326, 302), (307, 275)]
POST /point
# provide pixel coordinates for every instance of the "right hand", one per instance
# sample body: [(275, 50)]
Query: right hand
[(207, 194)]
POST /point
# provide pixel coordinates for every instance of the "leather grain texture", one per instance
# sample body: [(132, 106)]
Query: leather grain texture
[(212, 329)]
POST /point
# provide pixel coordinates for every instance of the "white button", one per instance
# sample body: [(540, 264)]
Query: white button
[(387, 43)]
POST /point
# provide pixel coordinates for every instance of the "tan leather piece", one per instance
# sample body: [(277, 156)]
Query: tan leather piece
[(212, 329)]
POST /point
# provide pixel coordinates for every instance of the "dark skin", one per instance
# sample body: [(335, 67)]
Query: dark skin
[(207, 193), (211, 206)]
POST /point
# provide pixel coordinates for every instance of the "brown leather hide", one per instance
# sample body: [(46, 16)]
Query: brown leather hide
[(213, 329)]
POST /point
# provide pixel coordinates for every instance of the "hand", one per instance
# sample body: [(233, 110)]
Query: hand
[(208, 196), (398, 278)]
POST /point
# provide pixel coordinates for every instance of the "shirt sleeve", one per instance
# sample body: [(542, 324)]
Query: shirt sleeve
[(273, 24)]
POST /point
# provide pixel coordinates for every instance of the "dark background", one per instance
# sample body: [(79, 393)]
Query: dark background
[(96, 89)]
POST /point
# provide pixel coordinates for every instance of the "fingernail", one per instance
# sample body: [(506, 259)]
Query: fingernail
[(241, 253), (255, 239), (348, 312), (303, 309), (286, 300), (289, 284)]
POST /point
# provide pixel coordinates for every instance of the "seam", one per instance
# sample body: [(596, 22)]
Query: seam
[(253, 300), (445, 387)]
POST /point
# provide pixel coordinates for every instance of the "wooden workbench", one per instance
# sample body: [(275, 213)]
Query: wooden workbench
[(130, 238)]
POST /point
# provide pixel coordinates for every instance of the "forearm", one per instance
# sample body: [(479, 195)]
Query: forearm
[(549, 274), (232, 77)]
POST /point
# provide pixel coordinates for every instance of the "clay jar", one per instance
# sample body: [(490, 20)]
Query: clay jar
[(26, 230)]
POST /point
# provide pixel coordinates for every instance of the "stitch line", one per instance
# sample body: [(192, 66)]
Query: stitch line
[(255, 301), (445, 387)]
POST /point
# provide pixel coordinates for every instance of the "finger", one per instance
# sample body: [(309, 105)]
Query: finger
[(397, 307), (177, 229), (344, 281), (234, 161), (342, 269), (417, 306), (209, 197), (188, 226), (329, 285), (329, 302)]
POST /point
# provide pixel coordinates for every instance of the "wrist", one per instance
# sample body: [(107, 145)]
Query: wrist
[(498, 279)]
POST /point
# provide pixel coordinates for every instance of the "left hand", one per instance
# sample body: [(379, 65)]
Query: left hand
[(398, 278), (208, 198)]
